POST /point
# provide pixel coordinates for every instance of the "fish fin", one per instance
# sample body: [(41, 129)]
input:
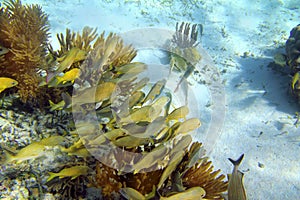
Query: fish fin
[(51, 103), (74, 177), (238, 161), (1, 89), (52, 175)]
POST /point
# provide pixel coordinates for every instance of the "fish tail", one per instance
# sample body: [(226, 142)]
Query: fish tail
[(8, 157), (51, 103), (52, 175), (238, 161)]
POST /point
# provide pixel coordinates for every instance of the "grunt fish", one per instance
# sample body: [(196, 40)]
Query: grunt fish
[(130, 141), (175, 160), (95, 94), (194, 193), (236, 190), (188, 126), (33, 150), (7, 83), (155, 90), (141, 114), (134, 67), (178, 113), (73, 172), (68, 76), (74, 55)]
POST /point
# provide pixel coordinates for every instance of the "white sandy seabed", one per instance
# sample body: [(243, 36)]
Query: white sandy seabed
[(241, 37)]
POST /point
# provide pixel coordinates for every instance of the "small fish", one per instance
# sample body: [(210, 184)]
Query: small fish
[(77, 145), (114, 134), (95, 94), (295, 79), (153, 128), (97, 140), (176, 159), (86, 128), (33, 150), (188, 126), (140, 84), (194, 193), (141, 114), (74, 55), (134, 67), (73, 172), (82, 152), (7, 83), (130, 141), (136, 98), (178, 113), (236, 190), (155, 90), (53, 140), (69, 76), (159, 105), (186, 74), (3, 50)]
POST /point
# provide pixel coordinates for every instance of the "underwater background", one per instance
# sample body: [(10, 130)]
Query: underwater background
[(248, 102)]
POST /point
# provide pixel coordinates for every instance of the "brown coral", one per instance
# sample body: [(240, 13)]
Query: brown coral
[(292, 48), (24, 31), (143, 182), (199, 172), (203, 175), (108, 180)]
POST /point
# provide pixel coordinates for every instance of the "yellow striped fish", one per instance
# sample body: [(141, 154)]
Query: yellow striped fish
[(236, 189)]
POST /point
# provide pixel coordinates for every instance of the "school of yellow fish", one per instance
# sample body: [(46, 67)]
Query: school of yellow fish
[(142, 119)]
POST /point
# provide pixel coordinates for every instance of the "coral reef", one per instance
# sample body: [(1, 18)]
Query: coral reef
[(151, 152), (292, 48), (24, 32)]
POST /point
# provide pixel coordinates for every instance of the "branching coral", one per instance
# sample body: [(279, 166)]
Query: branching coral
[(24, 31)]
